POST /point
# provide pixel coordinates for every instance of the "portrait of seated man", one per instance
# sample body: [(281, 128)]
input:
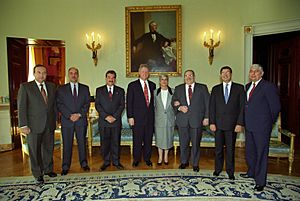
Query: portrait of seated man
[(155, 50)]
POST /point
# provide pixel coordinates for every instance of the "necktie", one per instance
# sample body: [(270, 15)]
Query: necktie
[(110, 94), (251, 92), (226, 95), (43, 92), (146, 93), (75, 92), (190, 91)]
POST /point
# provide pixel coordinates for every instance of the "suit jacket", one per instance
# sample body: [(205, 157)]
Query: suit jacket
[(66, 105), (32, 109), (227, 116), (113, 107), (197, 110), (164, 117), (136, 103), (262, 109)]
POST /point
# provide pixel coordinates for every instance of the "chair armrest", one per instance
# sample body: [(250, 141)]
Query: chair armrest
[(287, 133)]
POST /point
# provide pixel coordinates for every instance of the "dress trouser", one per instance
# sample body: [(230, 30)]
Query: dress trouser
[(110, 144), (187, 135), (228, 138), (142, 142), (68, 138), (40, 146), (257, 150)]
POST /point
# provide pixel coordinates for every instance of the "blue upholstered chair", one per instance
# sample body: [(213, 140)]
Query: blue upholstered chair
[(278, 148)]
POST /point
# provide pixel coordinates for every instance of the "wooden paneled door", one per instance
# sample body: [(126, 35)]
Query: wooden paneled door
[(280, 56), (17, 73)]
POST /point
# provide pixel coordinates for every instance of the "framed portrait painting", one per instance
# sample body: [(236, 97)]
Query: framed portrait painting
[(153, 37)]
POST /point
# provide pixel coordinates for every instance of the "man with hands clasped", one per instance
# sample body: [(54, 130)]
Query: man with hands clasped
[(191, 104)]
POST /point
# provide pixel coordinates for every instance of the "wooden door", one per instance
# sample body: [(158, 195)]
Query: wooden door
[(17, 73), (280, 56)]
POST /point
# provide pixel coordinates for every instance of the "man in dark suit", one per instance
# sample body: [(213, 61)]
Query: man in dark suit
[(261, 112), (37, 119), (191, 104), (110, 103), (140, 113), (226, 117), (148, 48), (73, 102)]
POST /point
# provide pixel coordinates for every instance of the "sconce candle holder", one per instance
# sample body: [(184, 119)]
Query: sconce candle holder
[(93, 46), (211, 45)]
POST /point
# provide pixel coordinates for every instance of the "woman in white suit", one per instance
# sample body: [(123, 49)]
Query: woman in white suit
[(164, 119)]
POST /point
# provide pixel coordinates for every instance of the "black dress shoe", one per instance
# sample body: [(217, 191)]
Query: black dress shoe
[(159, 163), (196, 168), (103, 167), (64, 172), (149, 163), (86, 168), (216, 174), (259, 188), (119, 166), (39, 180), (135, 163), (245, 176), (166, 163), (183, 165), (51, 174), (231, 177)]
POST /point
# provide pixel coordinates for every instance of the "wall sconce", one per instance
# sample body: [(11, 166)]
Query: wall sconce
[(91, 45), (211, 45)]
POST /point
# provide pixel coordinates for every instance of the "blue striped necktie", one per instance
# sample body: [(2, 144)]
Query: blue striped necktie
[(226, 95)]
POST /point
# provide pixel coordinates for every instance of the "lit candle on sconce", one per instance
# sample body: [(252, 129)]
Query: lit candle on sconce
[(93, 39), (211, 44), (93, 45), (87, 38)]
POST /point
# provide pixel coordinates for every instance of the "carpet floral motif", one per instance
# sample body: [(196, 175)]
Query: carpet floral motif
[(136, 185)]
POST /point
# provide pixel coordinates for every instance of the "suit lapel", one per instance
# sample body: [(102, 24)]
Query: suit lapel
[(169, 99), (38, 92)]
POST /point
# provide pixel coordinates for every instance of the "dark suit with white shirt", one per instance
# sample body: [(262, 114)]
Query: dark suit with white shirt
[(190, 124), (226, 115), (143, 118), (40, 118), (261, 112), (67, 105), (110, 133)]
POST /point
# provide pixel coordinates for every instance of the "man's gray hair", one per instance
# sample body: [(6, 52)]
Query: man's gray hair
[(258, 67)]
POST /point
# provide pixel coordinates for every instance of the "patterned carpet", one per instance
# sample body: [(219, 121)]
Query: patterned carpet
[(148, 185)]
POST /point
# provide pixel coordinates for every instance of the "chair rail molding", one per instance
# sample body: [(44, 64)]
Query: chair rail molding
[(264, 29)]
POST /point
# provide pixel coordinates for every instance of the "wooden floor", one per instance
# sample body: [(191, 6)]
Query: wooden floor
[(12, 164)]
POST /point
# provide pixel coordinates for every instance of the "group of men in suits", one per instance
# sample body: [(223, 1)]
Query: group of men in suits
[(39, 103), (256, 108), (226, 111)]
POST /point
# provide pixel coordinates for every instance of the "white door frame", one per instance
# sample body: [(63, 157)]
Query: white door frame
[(260, 30)]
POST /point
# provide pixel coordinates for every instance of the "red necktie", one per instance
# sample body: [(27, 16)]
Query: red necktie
[(43, 92), (251, 92), (110, 94), (146, 93), (190, 91)]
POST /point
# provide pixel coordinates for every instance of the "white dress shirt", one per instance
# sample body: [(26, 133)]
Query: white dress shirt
[(187, 92), (164, 96), (142, 83), (250, 88)]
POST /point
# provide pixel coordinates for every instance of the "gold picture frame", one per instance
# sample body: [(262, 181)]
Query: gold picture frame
[(153, 37)]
